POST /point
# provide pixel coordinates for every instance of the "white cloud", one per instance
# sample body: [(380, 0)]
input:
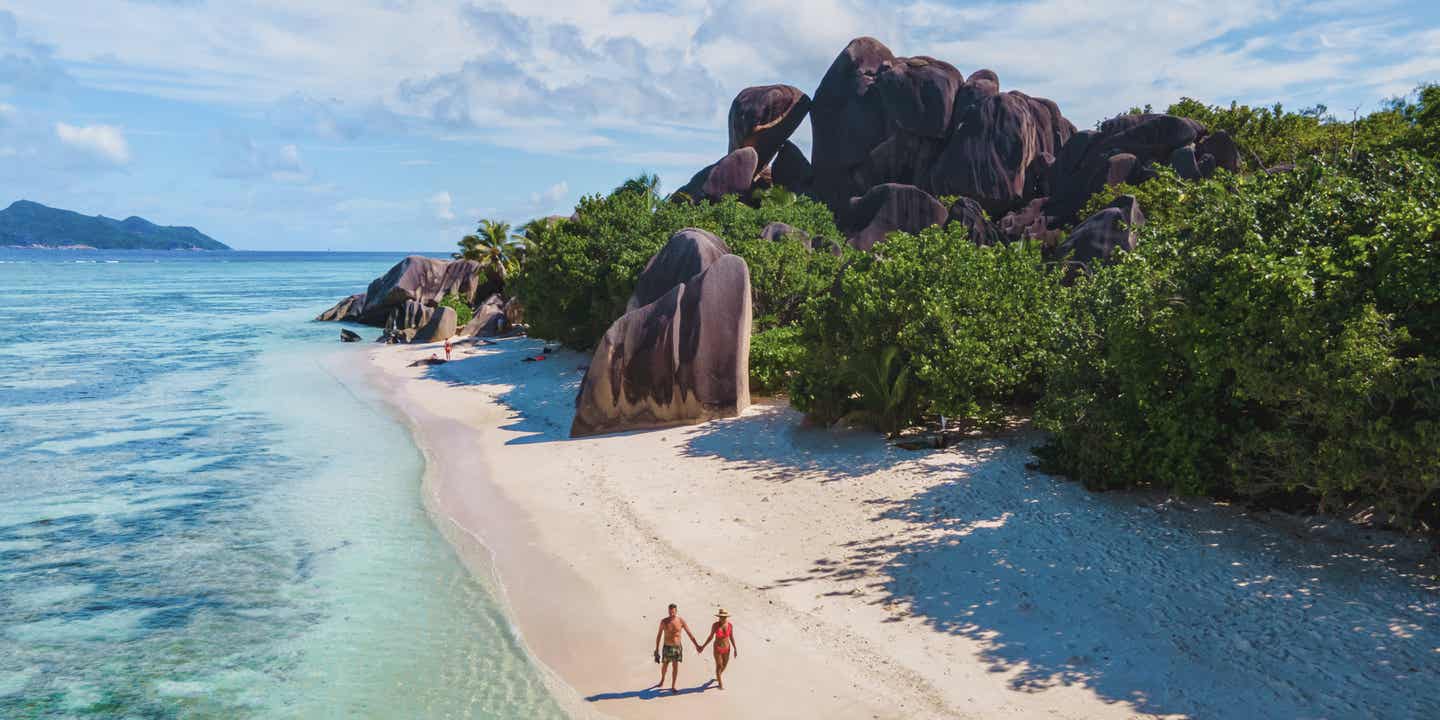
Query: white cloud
[(546, 200), (442, 205), (103, 142), (248, 160)]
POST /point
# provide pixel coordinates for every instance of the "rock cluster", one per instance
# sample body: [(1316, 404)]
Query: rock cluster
[(681, 352), (893, 134), (406, 300)]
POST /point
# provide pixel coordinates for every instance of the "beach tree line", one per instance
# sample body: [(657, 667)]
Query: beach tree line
[(1274, 337)]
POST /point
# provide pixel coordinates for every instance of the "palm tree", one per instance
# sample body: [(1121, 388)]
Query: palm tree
[(776, 196), (492, 247), (647, 183)]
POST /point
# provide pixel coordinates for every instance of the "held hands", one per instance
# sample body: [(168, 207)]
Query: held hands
[(698, 646)]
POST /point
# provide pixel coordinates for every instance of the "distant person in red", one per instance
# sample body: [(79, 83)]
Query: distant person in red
[(723, 633), (447, 348)]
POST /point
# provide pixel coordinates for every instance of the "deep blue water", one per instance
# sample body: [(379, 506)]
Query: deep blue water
[(200, 518)]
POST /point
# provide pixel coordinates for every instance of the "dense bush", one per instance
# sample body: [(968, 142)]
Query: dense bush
[(1270, 136), (774, 355), (930, 323), (578, 280), (463, 312), (1271, 336)]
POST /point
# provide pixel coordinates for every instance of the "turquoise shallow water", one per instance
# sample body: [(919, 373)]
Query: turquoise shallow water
[(198, 519)]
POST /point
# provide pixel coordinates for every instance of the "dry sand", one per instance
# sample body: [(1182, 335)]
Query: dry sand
[(870, 582)]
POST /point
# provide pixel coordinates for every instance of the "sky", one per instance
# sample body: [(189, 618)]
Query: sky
[(397, 124)]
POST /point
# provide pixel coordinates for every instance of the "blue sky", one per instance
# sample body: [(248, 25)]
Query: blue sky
[(396, 124)]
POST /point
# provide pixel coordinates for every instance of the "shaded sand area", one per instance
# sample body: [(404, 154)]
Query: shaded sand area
[(869, 582)]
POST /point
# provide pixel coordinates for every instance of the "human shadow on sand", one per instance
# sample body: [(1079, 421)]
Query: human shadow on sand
[(541, 395), (1167, 606), (651, 693)]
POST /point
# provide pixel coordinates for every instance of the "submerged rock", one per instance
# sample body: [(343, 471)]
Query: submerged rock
[(349, 335), (347, 310)]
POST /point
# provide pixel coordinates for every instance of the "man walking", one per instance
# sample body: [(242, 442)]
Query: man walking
[(672, 653)]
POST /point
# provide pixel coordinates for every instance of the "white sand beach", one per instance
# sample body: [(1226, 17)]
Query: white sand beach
[(870, 582)]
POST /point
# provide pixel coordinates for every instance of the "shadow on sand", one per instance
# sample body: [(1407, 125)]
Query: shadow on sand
[(769, 442), (651, 693), (546, 389), (1167, 606)]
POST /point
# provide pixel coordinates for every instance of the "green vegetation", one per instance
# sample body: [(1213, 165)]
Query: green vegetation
[(578, 281), (497, 251), (774, 355), (27, 223), (931, 325), (1273, 337), (462, 309)]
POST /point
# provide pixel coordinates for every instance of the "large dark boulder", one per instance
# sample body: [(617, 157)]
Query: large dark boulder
[(779, 231), (1052, 130), (791, 169), (918, 94), (423, 280), (847, 116), (1150, 137), (1103, 234), (442, 326), (1222, 147), (349, 336), (764, 117), (902, 158), (890, 207), (489, 318), (1029, 222), (1126, 149), (409, 316), (733, 174), (987, 157), (847, 120), (347, 310), (967, 212), (687, 253), (682, 358), (980, 85)]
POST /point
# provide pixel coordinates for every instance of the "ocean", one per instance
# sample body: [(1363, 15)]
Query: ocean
[(201, 516)]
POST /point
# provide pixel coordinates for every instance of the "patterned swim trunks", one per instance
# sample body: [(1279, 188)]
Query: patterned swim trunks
[(672, 653)]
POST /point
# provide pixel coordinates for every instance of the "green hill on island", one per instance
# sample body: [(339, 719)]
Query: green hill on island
[(30, 224)]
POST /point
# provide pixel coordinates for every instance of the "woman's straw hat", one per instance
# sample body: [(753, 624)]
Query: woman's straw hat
[(722, 614)]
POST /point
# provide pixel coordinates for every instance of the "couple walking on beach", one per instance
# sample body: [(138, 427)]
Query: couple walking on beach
[(721, 631)]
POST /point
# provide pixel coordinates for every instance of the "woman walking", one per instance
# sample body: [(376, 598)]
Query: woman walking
[(723, 633)]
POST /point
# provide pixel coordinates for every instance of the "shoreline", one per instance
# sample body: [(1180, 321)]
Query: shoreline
[(870, 582)]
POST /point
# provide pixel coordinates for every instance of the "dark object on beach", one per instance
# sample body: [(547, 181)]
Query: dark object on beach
[(441, 326), (533, 358), (432, 360), (687, 253), (683, 358), (547, 350), (349, 335)]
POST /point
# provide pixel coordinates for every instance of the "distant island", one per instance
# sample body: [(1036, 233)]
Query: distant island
[(27, 224)]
